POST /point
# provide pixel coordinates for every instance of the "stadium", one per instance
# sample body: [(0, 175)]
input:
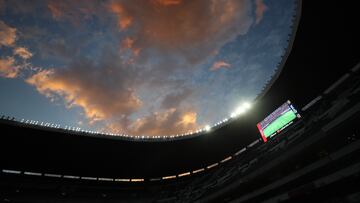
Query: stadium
[(299, 139)]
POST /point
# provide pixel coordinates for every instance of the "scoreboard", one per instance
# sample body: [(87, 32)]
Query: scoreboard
[(278, 120)]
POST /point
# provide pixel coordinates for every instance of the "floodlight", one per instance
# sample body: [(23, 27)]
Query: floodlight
[(207, 128), (246, 105), (240, 110)]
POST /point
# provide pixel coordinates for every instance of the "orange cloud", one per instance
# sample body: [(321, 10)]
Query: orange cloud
[(182, 27), (7, 35), (168, 122), (128, 43), (188, 118), (167, 2), (55, 10), (79, 88), (219, 64), (260, 10), (8, 69), (23, 52), (124, 19)]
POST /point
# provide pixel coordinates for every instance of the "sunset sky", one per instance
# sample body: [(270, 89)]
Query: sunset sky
[(141, 67)]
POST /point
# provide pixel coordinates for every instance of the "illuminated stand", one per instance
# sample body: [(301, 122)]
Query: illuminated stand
[(278, 121)]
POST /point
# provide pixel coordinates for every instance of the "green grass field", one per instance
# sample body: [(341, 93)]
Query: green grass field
[(279, 123)]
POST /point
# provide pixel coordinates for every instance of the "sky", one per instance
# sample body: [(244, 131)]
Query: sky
[(139, 67)]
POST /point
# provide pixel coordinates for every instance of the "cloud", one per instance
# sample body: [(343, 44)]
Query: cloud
[(182, 27), (175, 98), (7, 35), (100, 92), (106, 91), (23, 52), (8, 68), (111, 105), (172, 27), (55, 9), (168, 122), (124, 19), (260, 10), (59, 48), (128, 43), (179, 27), (22, 6), (74, 11), (167, 2), (219, 64)]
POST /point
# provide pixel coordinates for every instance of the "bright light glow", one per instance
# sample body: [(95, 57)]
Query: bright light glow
[(122, 180), (11, 171), (52, 175), (207, 128), (247, 105), (212, 165), (105, 179), (137, 180), (88, 178), (226, 159), (71, 177), (184, 174), (199, 170), (32, 173), (168, 177), (241, 109), (241, 151)]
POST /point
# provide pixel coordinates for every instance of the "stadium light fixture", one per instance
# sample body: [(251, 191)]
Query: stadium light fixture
[(246, 105), (241, 109), (207, 128)]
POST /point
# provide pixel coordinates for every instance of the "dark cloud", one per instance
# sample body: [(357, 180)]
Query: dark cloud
[(75, 11), (175, 98), (183, 27), (24, 6), (31, 32), (59, 48)]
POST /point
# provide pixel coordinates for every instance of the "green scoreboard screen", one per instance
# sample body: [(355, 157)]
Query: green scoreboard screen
[(277, 121)]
